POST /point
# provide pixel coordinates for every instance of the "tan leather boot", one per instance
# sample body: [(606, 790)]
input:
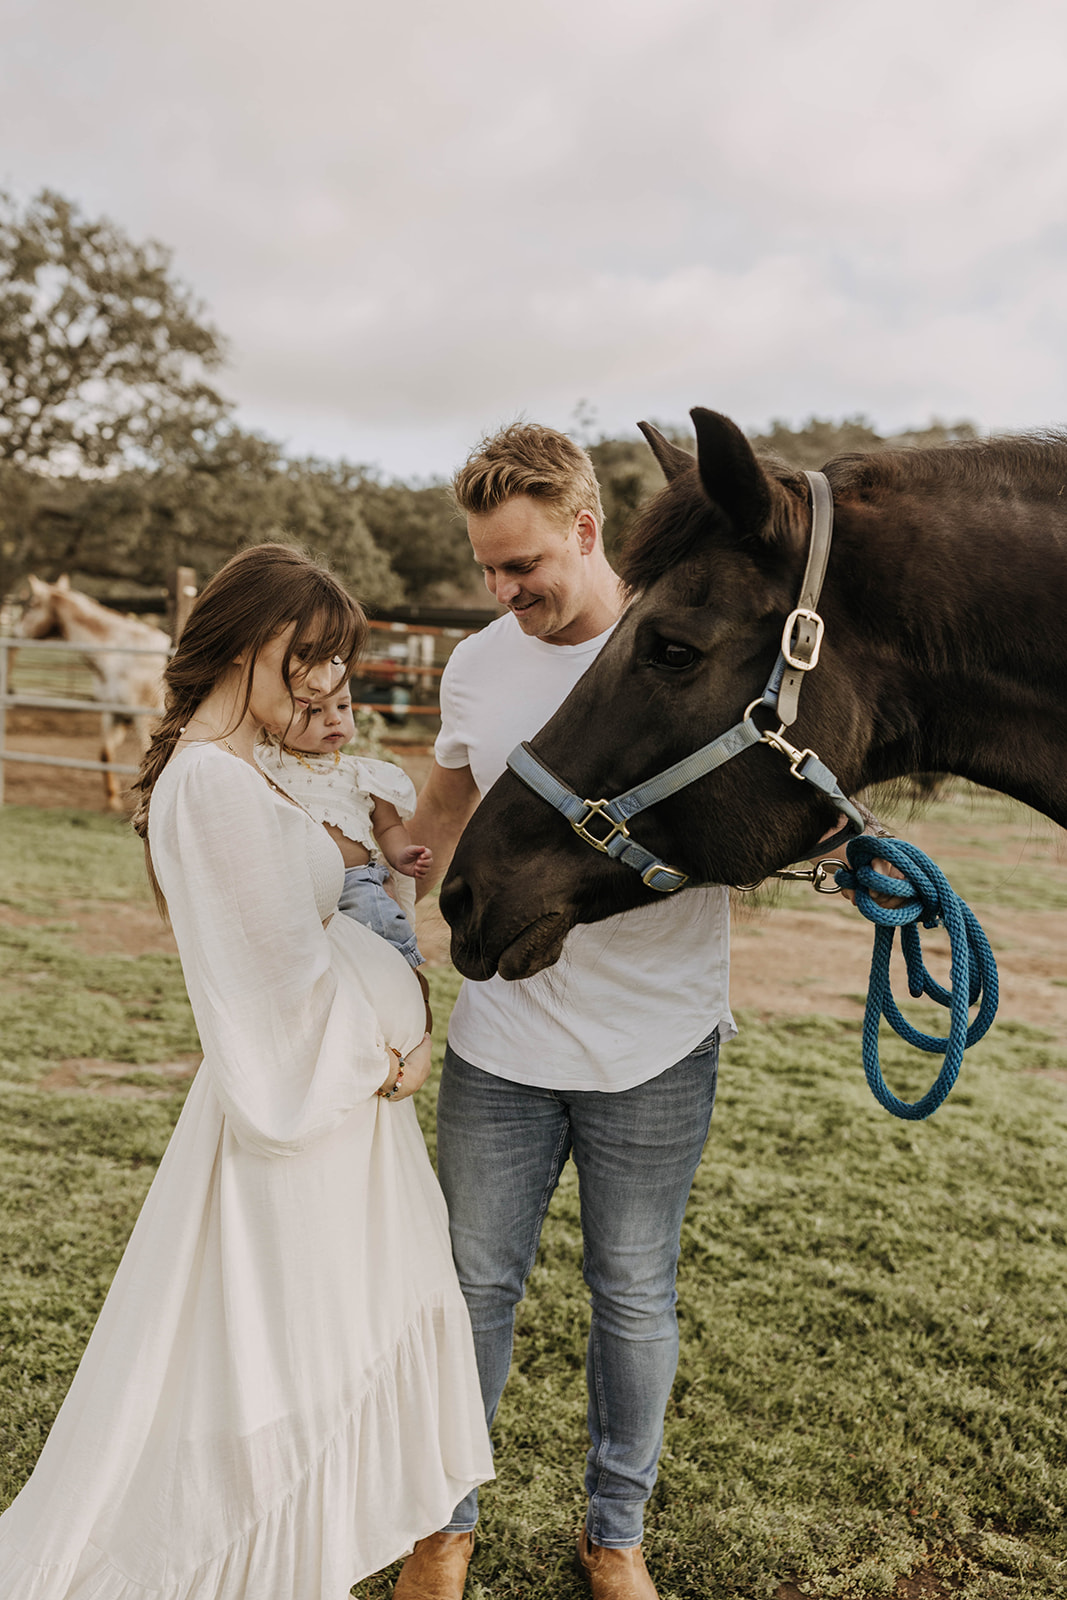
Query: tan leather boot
[(436, 1569), (615, 1574)]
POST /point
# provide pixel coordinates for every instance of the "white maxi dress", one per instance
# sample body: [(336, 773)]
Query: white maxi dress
[(280, 1394)]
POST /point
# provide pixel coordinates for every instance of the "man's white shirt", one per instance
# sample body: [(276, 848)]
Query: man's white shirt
[(629, 996)]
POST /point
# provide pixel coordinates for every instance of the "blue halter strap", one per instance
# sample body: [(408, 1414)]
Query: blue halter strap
[(603, 823)]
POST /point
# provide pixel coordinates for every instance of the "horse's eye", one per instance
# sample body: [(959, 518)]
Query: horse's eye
[(673, 656)]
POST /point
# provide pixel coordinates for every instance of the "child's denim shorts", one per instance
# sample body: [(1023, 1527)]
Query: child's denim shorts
[(365, 899)]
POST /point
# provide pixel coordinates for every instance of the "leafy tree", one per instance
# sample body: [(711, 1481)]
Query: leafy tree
[(628, 475), (425, 538), (103, 353), (23, 516), (322, 504), (134, 528)]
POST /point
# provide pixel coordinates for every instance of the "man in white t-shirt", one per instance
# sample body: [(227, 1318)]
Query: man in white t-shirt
[(610, 1057)]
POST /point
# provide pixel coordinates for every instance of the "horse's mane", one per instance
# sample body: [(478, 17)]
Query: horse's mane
[(667, 528), (1036, 462)]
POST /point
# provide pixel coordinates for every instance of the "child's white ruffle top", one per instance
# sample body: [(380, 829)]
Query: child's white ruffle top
[(340, 789)]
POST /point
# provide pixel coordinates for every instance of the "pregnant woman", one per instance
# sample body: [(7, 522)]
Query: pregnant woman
[(280, 1394)]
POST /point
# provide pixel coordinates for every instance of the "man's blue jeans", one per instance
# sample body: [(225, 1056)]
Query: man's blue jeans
[(501, 1147)]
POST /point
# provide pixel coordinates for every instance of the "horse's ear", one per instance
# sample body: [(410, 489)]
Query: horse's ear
[(63, 582), (671, 458), (37, 588), (731, 475)]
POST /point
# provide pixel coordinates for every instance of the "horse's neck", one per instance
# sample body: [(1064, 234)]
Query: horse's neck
[(85, 622), (967, 616), (975, 586)]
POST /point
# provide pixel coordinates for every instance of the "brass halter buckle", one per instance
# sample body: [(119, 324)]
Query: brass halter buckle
[(656, 870), (599, 808)]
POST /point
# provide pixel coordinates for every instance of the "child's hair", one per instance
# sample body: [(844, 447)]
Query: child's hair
[(259, 593)]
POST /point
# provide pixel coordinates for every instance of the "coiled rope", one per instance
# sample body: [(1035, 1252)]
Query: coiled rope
[(929, 899)]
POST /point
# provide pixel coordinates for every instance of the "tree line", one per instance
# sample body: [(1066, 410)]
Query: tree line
[(120, 459)]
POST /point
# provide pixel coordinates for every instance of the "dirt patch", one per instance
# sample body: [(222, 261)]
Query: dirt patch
[(73, 734), (793, 960), (120, 1080)]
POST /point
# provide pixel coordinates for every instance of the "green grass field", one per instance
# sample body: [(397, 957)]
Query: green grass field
[(874, 1339)]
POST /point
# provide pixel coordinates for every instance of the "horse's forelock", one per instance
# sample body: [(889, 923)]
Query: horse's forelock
[(680, 520), (667, 531)]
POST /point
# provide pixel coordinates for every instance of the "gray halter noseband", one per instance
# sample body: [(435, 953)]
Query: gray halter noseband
[(799, 653)]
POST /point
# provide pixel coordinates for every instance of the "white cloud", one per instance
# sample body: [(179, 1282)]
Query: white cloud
[(413, 222)]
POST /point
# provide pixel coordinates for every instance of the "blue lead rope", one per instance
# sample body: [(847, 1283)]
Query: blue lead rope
[(930, 900)]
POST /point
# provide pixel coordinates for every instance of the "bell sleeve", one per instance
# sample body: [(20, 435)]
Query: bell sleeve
[(291, 1039)]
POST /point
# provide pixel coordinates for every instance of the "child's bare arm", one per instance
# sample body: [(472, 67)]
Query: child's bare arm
[(413, 860)]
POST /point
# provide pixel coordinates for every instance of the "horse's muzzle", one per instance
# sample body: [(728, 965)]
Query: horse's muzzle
[(516, 953)]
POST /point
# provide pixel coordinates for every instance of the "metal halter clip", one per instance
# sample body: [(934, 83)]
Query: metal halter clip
[(821, 880), (599, 808), (792, 622), (818, 876), (779, 742)]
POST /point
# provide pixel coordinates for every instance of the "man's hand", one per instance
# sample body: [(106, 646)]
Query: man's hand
[(833, 860)]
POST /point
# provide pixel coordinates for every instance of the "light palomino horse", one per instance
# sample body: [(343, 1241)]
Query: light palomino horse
[(55, 610)]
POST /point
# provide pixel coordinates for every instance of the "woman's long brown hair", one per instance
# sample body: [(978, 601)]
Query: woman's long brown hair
[(257, 595)]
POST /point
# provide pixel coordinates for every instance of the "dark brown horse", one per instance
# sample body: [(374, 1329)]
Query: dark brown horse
[(945, 606)]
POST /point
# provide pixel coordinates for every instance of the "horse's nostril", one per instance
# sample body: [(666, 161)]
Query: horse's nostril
[(457, 901)]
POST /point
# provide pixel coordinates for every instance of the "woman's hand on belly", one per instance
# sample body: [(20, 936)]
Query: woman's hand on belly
[(417, 1065)]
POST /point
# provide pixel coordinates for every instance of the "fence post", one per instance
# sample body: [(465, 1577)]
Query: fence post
[(420, 654), (181, 592)]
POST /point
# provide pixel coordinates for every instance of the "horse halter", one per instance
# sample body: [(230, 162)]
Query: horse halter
[(801, 640)]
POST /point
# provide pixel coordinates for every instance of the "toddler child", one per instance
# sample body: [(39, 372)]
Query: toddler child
[(363, 805)]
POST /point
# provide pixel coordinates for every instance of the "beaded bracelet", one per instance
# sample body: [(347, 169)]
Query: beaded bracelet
[(394, 1088)]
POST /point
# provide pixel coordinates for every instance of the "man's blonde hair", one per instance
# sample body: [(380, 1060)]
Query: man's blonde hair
[(527, 459)]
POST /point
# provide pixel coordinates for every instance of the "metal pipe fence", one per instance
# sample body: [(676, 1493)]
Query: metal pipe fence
[(416, 668), (38, 702)]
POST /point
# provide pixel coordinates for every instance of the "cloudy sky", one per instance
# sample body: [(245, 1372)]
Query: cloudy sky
[(415, 221)]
